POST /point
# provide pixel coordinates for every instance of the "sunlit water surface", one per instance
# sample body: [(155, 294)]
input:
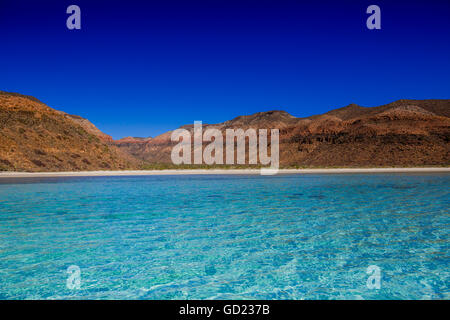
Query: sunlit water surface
[(226, 237)]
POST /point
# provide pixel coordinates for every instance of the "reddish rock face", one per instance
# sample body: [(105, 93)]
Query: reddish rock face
[(133, 140), (35, 137), (402, 133)]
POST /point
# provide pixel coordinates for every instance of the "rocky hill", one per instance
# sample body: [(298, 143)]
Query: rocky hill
[(402, 133), (34, 137)]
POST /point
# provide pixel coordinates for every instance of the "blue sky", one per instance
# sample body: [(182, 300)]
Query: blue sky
[(140, 68)]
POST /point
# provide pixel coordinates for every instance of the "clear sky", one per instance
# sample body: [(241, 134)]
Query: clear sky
[(140, 68)]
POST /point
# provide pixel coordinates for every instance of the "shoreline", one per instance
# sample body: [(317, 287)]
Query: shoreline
[(218, 172)]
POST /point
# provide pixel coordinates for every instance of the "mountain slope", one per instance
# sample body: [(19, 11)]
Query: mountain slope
[(34, 137), (402, 133)]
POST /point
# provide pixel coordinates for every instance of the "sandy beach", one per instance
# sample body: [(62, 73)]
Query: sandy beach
[(218, 171)]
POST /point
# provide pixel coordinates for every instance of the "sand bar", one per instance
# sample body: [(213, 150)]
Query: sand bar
[(218, 171)]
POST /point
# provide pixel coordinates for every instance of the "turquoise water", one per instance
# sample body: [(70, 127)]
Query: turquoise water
[(226, 237)]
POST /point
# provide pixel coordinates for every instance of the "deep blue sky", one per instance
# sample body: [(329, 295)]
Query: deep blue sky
[(141, 68)]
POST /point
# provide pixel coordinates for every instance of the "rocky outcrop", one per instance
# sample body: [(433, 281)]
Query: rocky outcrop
[(133, 146), (35, 137), (403, 133), (88, 126)]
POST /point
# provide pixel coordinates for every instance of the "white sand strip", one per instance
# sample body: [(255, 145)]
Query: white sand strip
[(218, 171)]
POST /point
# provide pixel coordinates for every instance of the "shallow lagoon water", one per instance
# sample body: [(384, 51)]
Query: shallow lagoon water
[(226, 237)]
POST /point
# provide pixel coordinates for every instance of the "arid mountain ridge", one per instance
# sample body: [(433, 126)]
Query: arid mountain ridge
[(35, 137), (402, 133)]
